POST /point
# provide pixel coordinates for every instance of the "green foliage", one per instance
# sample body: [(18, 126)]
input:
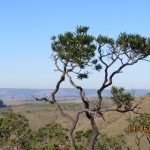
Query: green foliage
[(103, 142), (98, 67), (16, 134), (120, 97), (102, 40), (135, 42), (52, 135), (111, 143), (76, 48), (82, 76), (14, 131), (83, 138)]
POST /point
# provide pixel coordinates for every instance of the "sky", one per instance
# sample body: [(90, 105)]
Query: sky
[(27, 25)]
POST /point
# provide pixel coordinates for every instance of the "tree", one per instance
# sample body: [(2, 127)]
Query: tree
[(77, 51), (2, 104)]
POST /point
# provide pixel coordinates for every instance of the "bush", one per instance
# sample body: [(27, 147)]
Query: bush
[(15, 133)]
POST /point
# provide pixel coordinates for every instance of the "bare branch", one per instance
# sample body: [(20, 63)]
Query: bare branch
[(55, 60), (43, 99), (142, 98)]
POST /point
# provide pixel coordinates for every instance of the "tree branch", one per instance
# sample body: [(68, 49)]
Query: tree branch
[(55, 60)]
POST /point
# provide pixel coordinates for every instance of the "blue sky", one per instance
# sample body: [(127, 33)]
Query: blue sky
[(27, 25)]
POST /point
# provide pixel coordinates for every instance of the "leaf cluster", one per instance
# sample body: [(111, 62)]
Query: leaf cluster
[(75, 47), (121, 98), (135, 42), (102, 40)]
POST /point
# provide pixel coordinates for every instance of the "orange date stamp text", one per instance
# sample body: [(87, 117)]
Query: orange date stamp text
[(138, 128)]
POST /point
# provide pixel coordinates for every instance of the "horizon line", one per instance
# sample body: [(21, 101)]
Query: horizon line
[(68, 88)]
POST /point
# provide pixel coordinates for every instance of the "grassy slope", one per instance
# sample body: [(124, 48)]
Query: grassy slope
[(115, 122)]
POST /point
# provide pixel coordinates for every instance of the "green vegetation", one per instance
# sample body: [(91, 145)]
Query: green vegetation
[(121, 98), (102, 143), (15, 133)]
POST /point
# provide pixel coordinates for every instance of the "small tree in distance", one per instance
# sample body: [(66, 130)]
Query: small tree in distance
[(2, 105), (77, 51)]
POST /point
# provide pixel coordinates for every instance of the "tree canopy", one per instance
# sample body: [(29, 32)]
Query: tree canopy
[(77, 50)]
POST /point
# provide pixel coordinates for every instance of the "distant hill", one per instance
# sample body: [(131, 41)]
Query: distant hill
[(63, 92)]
